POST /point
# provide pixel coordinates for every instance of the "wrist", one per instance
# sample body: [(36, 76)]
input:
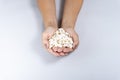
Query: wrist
[(52, 24), (67, 26)]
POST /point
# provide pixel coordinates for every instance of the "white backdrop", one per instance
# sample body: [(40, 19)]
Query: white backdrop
[(22, 56)]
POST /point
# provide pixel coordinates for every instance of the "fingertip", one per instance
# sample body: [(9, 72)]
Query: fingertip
[(53, 52), (54, 49), (59, 49), (64, 50), (70, 49), (62, 54), (75, 46), (67, 49)]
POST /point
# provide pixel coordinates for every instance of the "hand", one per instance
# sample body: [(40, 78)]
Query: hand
[(75, 38), (47, 34)]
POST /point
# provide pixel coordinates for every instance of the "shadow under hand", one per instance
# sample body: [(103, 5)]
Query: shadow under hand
[(37, 42)]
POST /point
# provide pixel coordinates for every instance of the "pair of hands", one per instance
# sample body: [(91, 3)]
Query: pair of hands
[(57, 51)]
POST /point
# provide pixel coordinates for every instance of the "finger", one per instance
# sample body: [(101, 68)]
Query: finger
[(57, 50), (70, 49), (62, 53), (52, 52), (75, 38), (60, 49), (54, 49), (75, 45), (75, 42), (66, 50), (46, 44)]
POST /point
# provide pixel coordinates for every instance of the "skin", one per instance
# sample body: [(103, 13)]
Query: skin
[(71, 11)]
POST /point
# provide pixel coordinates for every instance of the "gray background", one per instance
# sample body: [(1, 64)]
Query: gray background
[(22, 56)]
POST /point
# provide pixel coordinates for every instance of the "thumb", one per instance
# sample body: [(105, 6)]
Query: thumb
[(45, 41), (75, 41)]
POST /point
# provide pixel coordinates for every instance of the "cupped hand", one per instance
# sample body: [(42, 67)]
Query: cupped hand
[(46, 35), (75, 38)]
